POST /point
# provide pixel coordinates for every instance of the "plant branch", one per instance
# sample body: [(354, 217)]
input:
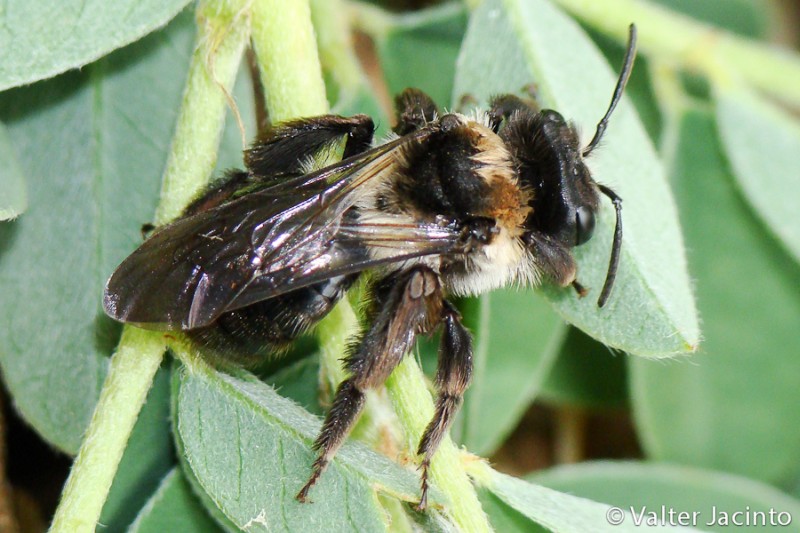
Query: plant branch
[(222, 33), (414, 408), (286, 50), (129, 378), (679, 40)]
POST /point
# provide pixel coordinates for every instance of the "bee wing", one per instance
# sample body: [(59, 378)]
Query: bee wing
[(353, 248), (259, 246)]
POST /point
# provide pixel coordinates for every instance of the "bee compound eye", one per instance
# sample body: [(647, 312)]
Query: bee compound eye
[(584, 225)]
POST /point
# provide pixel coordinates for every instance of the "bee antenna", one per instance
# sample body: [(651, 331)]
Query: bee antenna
[(625, 73), (615, 248)]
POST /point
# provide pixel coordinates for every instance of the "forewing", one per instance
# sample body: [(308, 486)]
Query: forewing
[(352, 249), (259, 246)]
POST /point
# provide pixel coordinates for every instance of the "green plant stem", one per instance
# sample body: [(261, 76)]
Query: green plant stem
[(684, 42), (223, 30), (283, 39), (414, 408), (129, 378), (292, 84)]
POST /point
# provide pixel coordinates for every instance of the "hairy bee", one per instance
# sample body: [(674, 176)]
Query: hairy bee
[(453, 205)]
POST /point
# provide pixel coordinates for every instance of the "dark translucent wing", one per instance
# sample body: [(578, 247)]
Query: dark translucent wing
[(352, 249), (258, 246)]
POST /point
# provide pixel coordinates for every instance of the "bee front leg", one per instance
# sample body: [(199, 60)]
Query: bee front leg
[(413, 109), (452, 379), (406, 304)]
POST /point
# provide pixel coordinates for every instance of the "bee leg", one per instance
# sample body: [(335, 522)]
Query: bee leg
[(406, 305), (502, 107), (413, 109), (285, 148), (452, 379)]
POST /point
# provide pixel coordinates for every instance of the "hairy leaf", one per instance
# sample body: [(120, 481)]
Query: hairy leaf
[(649, 486), (13, 195), (173, 507), (762, 143), (651, 311), (249, 449), (44, 38), (94, 145), (733, 406)]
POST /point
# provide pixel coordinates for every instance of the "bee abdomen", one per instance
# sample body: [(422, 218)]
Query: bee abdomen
[(246, 335)]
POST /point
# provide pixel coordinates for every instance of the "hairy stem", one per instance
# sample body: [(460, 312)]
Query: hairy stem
[(414, 407), (286, 50), (129, 378), (222, 33)]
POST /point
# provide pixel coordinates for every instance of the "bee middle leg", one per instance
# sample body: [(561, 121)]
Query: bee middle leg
[(406, 305)]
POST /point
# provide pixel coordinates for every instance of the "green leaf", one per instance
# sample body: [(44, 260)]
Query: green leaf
[(174, 507), (42, 39), (438, 32), (504, 518), (651, 311), (300, 382), (762, 143), (681, 489), (250, 451), (94, 144), (517, 337), (147, 458), (733, 406), (557, 511), (13, 197), (588, 374)]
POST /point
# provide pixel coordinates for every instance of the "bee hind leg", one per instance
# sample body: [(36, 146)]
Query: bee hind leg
[(406, 304), (284, 148), (452, 379)]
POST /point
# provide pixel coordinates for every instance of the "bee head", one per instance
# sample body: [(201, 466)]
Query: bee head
[(566, 198)]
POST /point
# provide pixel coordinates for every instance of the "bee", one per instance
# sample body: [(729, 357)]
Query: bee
[(452, 205)]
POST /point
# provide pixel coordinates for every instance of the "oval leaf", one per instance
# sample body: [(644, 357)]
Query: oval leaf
[(174, 507), (635, 487), (94, 144), (44, 38), (561, 512), (733, 407), (249, 449), (13, 197), (651, 311), (517, 338), (586, 374), (762, 142)]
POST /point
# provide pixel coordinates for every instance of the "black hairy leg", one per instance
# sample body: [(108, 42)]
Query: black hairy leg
[(405, 305), (281, 151), (413, 109), (501, 108), (452, 379), (284, 149)]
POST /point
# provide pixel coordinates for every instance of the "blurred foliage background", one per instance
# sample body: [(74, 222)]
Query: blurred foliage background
[(549, 403)]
